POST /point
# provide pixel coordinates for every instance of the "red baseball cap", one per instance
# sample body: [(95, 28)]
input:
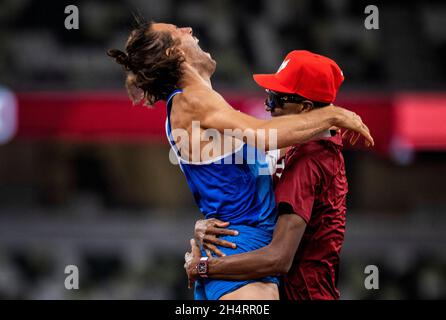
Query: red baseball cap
[(307, 74)]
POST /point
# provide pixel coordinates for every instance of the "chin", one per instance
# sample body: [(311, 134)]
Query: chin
[(212, 63)]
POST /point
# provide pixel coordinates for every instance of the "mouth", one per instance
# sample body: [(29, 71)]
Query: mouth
[(197, 43)]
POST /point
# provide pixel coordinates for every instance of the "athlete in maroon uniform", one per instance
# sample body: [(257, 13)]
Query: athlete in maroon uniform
[(313, 186), (310, 193)]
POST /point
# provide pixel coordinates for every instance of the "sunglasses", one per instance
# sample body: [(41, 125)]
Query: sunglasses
[(274, 99)]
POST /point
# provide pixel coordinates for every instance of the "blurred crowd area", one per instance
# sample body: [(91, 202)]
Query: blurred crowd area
[(244, 37), (123, 214)]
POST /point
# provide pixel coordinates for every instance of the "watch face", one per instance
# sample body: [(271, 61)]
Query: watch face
[(202, 267)]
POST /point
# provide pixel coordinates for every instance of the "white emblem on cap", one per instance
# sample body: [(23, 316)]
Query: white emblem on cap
[(283, 65)]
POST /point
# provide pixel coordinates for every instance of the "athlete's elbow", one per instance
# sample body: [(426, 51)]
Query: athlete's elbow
[(279, 263), (282, 264)]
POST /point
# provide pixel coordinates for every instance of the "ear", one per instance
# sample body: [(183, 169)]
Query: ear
[(182, 53), (307, 106), (169, 51)]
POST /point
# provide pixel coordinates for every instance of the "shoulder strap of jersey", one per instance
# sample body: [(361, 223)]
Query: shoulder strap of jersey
[(168, 127)]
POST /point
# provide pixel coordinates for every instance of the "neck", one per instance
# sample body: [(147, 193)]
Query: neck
[(206, 77), (193, 75)]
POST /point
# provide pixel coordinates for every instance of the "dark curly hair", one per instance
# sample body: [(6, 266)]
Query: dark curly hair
[(152, 63)]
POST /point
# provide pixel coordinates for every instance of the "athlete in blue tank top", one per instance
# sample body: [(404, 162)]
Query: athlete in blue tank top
[(235, 192), (160, 58)]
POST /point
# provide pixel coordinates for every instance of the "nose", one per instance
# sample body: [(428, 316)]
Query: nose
[(268, 107), (188, 30)]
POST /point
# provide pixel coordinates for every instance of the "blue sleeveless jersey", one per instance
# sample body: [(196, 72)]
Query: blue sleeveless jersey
[(231, 188)]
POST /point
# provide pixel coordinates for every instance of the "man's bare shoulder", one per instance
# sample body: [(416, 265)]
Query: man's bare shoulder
[(202, 97)]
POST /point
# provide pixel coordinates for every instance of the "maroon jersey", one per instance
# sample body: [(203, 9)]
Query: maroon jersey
[(314, 184)]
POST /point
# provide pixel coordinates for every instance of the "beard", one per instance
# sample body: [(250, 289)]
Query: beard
[(203, 61)]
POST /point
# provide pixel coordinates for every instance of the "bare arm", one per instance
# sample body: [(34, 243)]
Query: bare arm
[(276, 258), (214, 112)]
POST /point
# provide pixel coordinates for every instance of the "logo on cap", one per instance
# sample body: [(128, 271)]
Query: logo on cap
[(283, 65)]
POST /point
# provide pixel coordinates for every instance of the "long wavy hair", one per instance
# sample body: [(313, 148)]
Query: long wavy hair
[(152, 64)]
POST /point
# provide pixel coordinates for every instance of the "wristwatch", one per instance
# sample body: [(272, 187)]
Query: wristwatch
[(202, 267)]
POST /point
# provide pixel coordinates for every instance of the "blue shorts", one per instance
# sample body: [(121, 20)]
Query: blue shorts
[(249, 239)]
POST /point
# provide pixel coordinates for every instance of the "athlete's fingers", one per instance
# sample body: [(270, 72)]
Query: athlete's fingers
[(219, 242), (199, 238), (366, 133), (366, 141), (224, 243), (221, 224), (200, 231), (216, 222), (365, 127), (350, 137), (223, 232), (210, 247), (364, 130), (369, 138), (354, 138), (359, 127), (208, 253), (186, 259), (190, 283), (195, 249)]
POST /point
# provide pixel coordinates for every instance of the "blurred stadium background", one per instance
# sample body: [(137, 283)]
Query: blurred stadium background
[(85, 178)]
